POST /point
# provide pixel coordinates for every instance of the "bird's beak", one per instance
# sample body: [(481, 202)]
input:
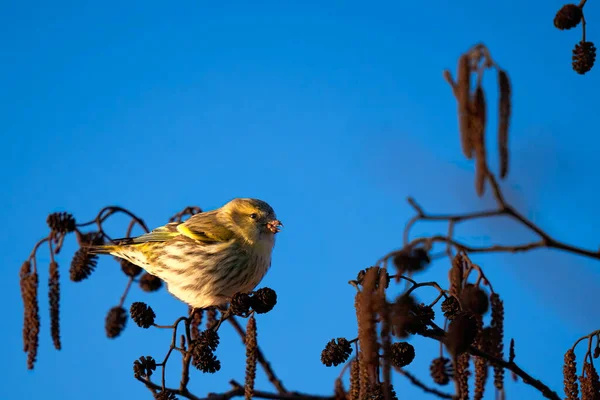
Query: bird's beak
[(274, 226)]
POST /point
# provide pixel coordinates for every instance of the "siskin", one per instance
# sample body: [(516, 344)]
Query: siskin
[(207, 259)]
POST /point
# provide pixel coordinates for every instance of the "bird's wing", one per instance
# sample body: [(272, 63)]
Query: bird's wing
[(160, 234), (206, 227)]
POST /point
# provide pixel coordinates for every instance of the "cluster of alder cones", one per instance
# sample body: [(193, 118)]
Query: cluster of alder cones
[(584, 53)]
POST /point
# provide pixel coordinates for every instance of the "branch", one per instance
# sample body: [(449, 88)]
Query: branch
[(110, 210), (438, 334), (236, 391), (589, 336), (413, 379), (513, 367), (471, 249), (545, 240)]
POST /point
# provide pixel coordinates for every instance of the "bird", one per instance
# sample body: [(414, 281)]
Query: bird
[(211, 256)]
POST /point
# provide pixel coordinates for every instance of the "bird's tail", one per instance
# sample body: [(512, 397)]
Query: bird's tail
[(109, 248), (102, 249)]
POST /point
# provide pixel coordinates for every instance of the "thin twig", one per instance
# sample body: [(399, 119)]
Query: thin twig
[(110, 210), (413, 379), (585, 337), (187, 358), (125, 292), (237, 391), (422, 284), (172, 346), (503, 209)]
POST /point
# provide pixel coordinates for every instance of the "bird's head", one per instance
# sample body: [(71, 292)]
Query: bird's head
[(254, 219)]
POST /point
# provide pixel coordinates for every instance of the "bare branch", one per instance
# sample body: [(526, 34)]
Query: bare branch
[(415, 381)]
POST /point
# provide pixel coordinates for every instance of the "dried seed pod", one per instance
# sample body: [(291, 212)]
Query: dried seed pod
[(584, 56), (478, 139), (402, 317), (336, 353), (361, 276), (31, 318), (144, 367), (455, 275), (474, 299), (461, 334), (251, 356), (497, 326), (205, 360), (570, 376), (142, 314), (202, 350), (451, 307), (150, 283), (463, 93), (568, 17), (411, 260), (128, 268), (354, 391), (441, 370), (338, 391), (115, 322), (195, 321), (83, 264), (461, 375), (367, 329), (421, 316), (240, 304), (504, 112), (27, 299), (590, 382), (424, 312), (54, 302), (403, 353), (263, 300), (481, 364), (61, 222), (209, 338)]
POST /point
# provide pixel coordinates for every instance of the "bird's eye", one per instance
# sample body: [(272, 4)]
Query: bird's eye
[(253, 215)]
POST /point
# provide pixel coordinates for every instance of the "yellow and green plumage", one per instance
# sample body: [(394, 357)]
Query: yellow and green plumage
[(211, 256)]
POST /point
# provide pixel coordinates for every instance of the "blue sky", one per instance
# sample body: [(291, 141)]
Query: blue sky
[(333, 112)]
